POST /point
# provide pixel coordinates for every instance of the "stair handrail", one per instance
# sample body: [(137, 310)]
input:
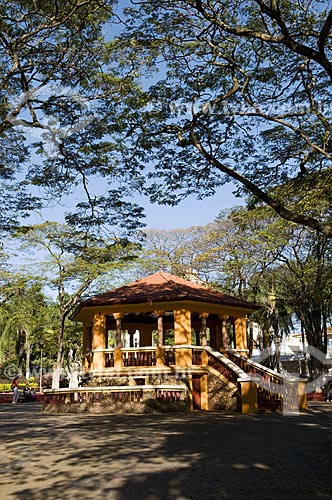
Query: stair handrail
[(241, 374), (265, 369)]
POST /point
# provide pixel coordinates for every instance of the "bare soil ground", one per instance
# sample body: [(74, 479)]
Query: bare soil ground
[(180, 456)]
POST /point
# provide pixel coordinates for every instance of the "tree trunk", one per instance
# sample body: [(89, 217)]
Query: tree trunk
[(277, 354), (250, 339), (324, 333), (58, 365), (20, 345), (27, 357), (313, 331), (266, 338), (306, 365)]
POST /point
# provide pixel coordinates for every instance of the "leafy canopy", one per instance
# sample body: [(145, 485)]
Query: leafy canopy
[(237, 90), (53, 91)]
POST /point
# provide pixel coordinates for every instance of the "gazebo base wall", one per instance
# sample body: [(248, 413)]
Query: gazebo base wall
[(118, 399), (147, 390)]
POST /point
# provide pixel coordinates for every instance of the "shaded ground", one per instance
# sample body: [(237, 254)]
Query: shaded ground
[(186, 456)]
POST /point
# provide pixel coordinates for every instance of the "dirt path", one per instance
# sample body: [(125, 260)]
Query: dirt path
[(165, 457)]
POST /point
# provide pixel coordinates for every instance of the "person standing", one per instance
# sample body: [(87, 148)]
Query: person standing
[(15, 390)]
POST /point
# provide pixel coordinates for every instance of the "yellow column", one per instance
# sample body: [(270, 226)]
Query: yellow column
[(160, 361), (241, 335), (302, 395), (99, 341), (224, 333), (204, 356), (249, 396), (87, 346), (204, 393), (191, 399), (182, 332), (118, 361), (203, 316)]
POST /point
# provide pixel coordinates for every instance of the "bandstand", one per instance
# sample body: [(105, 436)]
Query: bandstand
[(128, 356)]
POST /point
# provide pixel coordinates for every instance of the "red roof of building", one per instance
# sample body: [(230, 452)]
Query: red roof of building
[(164, 287)]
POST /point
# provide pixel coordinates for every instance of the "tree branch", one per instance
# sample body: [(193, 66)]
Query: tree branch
[(260, 194), (325, 31)]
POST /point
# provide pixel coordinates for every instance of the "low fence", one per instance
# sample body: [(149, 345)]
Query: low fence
[(116, 394), (7, 397)]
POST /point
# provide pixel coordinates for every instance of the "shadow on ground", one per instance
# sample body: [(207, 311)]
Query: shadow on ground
[(183, 456)]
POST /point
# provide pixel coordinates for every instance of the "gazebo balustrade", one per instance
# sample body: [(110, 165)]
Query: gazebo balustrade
[(139, 357), (109, 359), (147, 356), (131, 357)]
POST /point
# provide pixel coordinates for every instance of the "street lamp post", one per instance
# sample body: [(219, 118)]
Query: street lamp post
[(278, 340), (41, 344)]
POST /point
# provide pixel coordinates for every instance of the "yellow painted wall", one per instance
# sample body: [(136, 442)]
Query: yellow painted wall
[(204, 393)]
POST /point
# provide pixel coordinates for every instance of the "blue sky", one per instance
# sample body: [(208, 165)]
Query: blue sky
[(190, 212)]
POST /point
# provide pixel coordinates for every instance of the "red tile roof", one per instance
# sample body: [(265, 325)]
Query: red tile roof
[(164, 287)]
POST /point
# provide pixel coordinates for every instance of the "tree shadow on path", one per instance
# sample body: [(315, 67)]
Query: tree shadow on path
[(182, 456)]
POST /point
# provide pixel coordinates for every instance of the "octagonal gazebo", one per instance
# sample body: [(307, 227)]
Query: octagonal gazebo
[(158, 303), (125, 353)]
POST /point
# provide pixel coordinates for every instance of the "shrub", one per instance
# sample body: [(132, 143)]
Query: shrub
[(5, 387)]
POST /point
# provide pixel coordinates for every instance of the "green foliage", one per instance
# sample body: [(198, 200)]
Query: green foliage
[(251, 253), (70, 262), (5, 387), (239, 90), (22, 310), (186, 97), (286, 269), (52, 113)]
